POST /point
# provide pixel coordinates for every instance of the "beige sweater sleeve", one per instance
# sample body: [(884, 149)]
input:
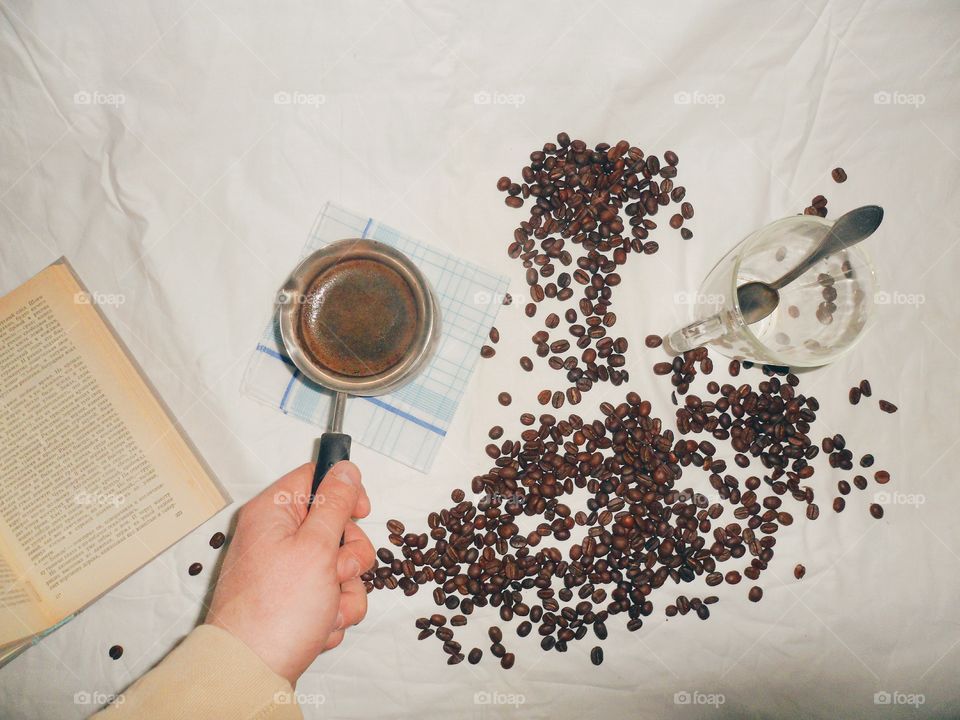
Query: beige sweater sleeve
[(210, 675)]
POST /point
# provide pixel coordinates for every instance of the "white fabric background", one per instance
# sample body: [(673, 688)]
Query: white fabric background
[(193, 198)]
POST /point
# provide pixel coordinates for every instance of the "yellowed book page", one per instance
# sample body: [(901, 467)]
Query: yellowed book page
[(20, 612), (95, 476)]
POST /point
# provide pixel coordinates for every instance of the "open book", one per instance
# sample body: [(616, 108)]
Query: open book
[(96, 476)]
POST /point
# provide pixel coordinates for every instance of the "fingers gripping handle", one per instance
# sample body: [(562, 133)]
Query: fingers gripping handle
[(334, 447)]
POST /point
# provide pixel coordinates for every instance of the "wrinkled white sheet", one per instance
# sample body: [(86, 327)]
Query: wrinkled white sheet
[(177, 152)]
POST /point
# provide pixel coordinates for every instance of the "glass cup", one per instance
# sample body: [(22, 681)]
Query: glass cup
[(820, 316)]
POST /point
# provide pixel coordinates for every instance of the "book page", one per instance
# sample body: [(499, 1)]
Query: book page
[(19, 604), (95, 476)]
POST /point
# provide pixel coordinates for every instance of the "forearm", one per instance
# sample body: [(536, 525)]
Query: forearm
[(210, 675)]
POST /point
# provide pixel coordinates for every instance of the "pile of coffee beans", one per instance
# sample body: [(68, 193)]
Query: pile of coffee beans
[(635, 527), (599, 203)]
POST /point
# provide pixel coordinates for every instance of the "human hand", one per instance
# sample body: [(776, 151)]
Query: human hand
[(287, 588)]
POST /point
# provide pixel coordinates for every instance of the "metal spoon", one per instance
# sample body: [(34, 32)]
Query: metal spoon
[(758, 299)]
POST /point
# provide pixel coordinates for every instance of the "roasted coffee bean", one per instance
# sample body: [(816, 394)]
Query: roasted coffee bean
[(860, 482), (526, 363), (755, 594), (524, 628), (596, 655), (876, 510), (487, 352), (495, 634), (544, 397), (506, 662), (854, 395), (882, 477), (888, 407), (686, 233), (474, 656), (865, 388), (495, 433), (504, 398), (115, 652), (195, 568), (799, 571), (839, 175), (217, 540), (653, 341), (838, 504), (866, 460)]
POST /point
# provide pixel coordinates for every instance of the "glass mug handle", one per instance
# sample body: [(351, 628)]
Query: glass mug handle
[(697, 333)]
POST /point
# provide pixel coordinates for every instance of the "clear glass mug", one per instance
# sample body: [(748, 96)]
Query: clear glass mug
[(820, 316)]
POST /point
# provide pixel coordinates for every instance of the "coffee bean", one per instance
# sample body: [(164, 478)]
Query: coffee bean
[(888, 407), (839, 175), (513, 201), (838, 504), (558, 398), (195, 569), (596, 655), (662, 368), (653, 341), (506, 662), (504, 398), (495, 433), (882, 477), (799, 571), (854, 395), (686, 233), (474, 656), (866, 461), (396, 527), (676, 221), (217, 540), (865, 388), (115, 652), (813, 511), (732, 577), (496, 634), (543, 397), (755, 594), (670, 157), (526, 363), (876, 510), (860, 482)]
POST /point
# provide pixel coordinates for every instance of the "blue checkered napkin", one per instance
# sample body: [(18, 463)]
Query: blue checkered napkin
[(407, 425)]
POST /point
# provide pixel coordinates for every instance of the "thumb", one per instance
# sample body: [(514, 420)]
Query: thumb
[(334, 504)]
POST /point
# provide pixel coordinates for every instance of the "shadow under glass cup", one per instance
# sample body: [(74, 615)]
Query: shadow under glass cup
[(820, 315)]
